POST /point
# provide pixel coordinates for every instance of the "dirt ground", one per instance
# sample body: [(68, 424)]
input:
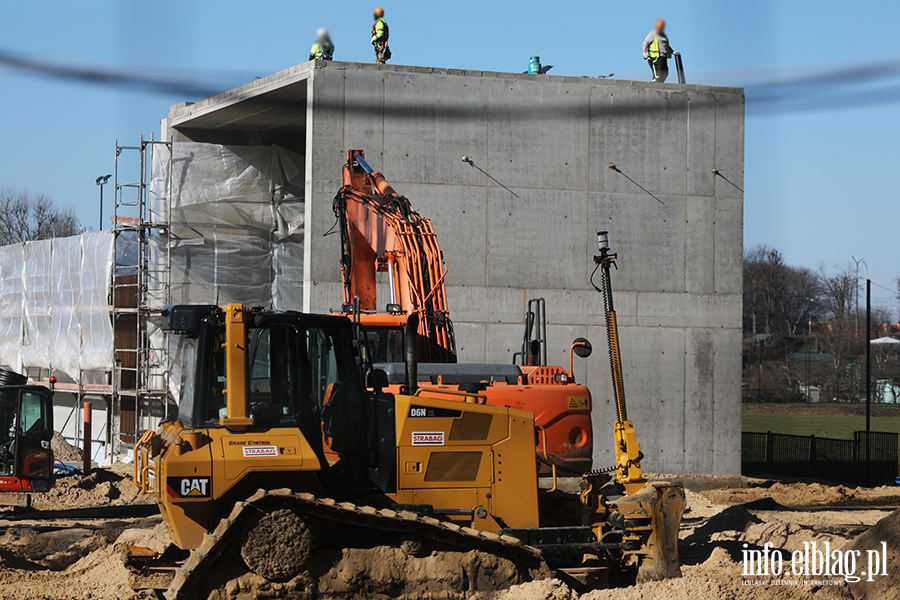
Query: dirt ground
[(801, 494), (74, 555)]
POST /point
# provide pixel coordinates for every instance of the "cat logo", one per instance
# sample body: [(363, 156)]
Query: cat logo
[(189, 487), (579, 403)]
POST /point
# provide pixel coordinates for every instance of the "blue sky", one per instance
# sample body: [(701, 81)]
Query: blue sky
[(819, 176)]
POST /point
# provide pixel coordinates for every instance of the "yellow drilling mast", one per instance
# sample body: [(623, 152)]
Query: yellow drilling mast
[(628, 450)]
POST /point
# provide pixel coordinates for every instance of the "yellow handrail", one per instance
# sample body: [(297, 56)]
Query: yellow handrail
[(137, 453), (144, 473)]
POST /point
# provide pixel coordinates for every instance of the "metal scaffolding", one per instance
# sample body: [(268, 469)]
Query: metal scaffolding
[(141, 286)]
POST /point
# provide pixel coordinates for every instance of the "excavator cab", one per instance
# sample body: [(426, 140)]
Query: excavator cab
[(26, 428)]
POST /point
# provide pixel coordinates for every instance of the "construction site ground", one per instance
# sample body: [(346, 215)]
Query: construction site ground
[(69, 545)]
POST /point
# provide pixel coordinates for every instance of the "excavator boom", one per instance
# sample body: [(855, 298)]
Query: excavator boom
[(380, 232)]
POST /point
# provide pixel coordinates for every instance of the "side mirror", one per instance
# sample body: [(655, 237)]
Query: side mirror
[(582, 347)]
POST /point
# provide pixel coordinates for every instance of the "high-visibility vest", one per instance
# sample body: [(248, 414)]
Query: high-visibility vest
[(653, 50), (321, 52), (380, 31)]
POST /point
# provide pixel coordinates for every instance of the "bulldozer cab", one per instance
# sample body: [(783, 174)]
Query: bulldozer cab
[(300, 372), (26, 428)]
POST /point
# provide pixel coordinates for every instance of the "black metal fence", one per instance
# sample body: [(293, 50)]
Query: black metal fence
[(872, 460)]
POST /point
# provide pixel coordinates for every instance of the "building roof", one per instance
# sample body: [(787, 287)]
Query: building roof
[(278, 101)]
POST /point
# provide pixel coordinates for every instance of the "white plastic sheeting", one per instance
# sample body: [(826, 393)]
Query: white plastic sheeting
[(65, 297), (236, 223), (237, 227), (97, 343), (36, 291), (54, 310), (11, 260)]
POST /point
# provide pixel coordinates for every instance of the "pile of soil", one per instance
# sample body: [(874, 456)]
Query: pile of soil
[(686, 588), (63, 451), (545, 589), (71, 563), (806, 494), (108, 486), (698, 506), (886, 530), (379, 572)]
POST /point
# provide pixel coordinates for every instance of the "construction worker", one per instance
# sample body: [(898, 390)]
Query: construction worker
[(322, 49), (657, 51), (380, 34)]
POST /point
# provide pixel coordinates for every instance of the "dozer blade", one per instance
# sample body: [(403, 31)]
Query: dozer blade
[(656, 509), (147, 568)]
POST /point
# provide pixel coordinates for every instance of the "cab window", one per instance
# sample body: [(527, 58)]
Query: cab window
[(273, 378), (385, 344), (336, 390), (32, 420), (326, 378)]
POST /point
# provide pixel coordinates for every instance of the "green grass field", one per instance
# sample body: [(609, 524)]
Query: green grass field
[(832, 421)]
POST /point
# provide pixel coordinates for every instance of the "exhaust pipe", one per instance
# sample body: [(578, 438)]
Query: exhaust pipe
[(412, 354)]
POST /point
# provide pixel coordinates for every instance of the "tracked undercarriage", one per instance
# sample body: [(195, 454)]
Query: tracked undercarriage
[(273, 534)]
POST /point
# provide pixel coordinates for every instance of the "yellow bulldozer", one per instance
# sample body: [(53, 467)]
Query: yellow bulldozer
[(434, 493)]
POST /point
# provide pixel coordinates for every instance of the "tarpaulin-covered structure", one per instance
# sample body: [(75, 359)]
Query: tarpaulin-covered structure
[(54, 304), (236, 223)]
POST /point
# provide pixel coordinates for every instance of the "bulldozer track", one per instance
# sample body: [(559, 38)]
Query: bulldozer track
[(404, 522)]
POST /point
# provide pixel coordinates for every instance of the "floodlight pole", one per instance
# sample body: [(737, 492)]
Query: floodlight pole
[(101, 181), (808, 352), (856, 314), (868, 371)]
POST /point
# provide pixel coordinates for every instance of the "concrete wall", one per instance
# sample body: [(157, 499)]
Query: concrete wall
[(551, 140)]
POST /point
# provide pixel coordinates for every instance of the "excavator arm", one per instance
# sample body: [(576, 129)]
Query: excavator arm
[(380, 232)]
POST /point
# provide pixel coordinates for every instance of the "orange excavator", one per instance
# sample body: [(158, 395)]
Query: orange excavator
[(381, 233)]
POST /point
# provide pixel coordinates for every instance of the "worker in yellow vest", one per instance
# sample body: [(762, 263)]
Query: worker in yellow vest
[(380, 34), (322, 49), (657, 51)]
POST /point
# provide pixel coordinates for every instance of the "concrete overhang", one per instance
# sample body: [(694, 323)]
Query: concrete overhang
[(276, 103)]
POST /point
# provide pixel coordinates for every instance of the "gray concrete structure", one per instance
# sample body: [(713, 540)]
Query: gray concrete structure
[(675, 224)]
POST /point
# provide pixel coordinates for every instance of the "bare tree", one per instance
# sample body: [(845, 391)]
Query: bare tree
[(838, 292), (841, 339), (801, 299), (27, 217), (754, 266), (778, 298)]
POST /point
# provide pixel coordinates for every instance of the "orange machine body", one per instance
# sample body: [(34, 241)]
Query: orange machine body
[(562, 416)]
